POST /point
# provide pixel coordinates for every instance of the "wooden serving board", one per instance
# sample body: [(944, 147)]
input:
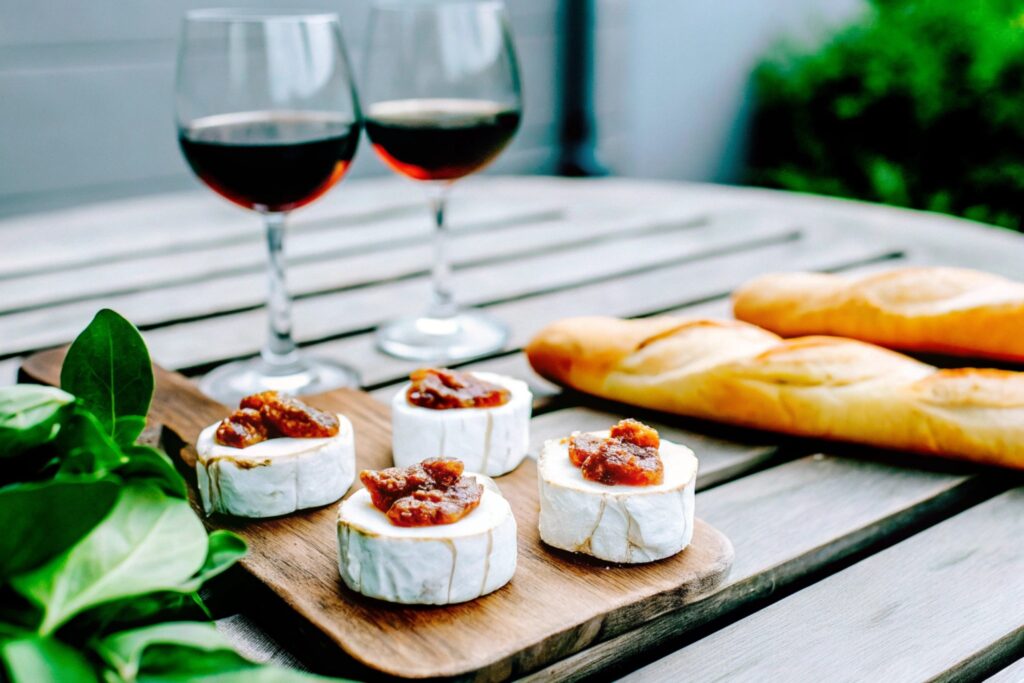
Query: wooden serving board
[(556, 604)]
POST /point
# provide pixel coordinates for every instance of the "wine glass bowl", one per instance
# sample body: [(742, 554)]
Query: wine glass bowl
[(442, 98), (268, 118)]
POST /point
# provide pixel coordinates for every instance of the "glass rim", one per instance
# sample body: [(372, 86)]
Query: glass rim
[(242, 14)]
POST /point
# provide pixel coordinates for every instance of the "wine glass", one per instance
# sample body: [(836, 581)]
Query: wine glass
[(268, 118), (442, 100)]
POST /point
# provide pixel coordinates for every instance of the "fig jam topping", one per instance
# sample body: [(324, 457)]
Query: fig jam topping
[(628, 456), (268, 415), (432, 492), (241, 428), (445, 389)]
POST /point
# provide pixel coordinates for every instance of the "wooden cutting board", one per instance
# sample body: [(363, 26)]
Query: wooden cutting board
[(556, 604)]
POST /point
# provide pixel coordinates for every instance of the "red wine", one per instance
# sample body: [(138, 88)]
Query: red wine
[(270, 161), (440, 139)]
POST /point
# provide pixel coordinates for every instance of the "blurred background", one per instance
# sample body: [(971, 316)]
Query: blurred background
[(909, 102)]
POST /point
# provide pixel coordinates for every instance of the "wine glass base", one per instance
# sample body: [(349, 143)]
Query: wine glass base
[(465, 335), (229, 383)]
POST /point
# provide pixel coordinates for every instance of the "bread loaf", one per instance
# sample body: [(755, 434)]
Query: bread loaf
[(943, 310), (823, 387)]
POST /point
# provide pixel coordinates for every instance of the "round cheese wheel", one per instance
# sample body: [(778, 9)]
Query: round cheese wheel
[(428, 565), (274, 477), (491, 441), (629, 524)]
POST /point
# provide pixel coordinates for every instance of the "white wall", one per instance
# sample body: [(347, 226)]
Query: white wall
[(686, 80), (86, 89), (86, 95)]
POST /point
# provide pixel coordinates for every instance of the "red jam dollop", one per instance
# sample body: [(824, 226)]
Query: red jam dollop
[(445, 389), (269, 415), (430, 493), (628, 456)]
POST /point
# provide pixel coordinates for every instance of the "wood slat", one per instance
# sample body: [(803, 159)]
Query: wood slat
[(336, 314), (326, 268), (789, 523), (9, 370), (643, 293), (105, 232), (939, 606), (313, 250)]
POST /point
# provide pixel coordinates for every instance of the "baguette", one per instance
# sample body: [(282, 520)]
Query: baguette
[(823, 387), (942, 310)]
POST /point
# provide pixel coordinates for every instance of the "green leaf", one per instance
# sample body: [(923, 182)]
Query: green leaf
[(42, 519), (30, 416), (145, 463), (185, 651), (148, 542), (86, 447), (45, 660), (123, 651), (127, 428), (224, 549), (108, 369), (138, 610)]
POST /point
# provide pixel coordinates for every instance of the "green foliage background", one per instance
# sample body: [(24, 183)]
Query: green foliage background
[(920, 104)]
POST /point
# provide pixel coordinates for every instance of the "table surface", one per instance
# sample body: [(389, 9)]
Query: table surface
[(851, 564)]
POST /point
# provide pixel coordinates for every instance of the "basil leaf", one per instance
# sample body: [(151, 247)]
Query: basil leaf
[(45, 660), (148, 542), (40, 520), (127, 428), (149, 464), (224, 549), (30, 415), (87, 447), (132, 612), (108, 369), (123, 651), (185, 652)]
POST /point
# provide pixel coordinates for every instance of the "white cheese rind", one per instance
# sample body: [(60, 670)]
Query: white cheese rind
[(432, 565), (492, 441), (628, 524), (274, 477)]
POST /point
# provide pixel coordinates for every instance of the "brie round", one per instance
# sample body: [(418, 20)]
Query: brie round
[(492, 441), (276, 476), (427, 565), (629, 524)]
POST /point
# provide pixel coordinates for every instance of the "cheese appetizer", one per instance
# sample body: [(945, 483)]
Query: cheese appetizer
[(428, 534), (272, 456), (622, 496), (479, 418)]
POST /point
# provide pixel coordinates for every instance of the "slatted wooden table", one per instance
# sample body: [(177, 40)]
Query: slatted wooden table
[(850, 564)]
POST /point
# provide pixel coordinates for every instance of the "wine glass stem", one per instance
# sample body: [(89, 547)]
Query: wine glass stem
[(280, 352), (443, 305)]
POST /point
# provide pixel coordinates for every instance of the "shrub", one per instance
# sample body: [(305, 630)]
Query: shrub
[(920, 103)]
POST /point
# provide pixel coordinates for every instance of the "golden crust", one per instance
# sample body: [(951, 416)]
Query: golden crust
[(823, 387), (942, 310)]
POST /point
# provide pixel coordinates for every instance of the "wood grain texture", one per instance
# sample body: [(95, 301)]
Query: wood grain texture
[(238, 334), (789, 523), (644, 292), (556, 604), (938, 606)]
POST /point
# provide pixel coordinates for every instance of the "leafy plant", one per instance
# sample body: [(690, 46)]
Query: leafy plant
[(101, 556), (918, 104)]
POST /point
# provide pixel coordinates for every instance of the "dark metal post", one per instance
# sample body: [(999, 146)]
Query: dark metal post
[(577, 156)]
